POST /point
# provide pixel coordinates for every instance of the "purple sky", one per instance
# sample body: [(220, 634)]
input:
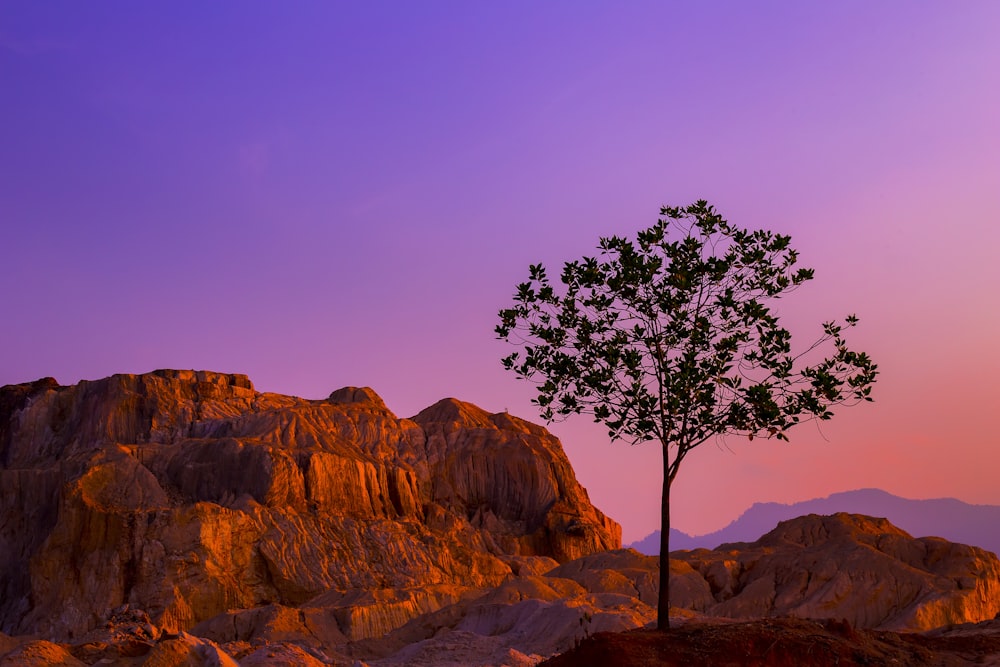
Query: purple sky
[(346, 193)]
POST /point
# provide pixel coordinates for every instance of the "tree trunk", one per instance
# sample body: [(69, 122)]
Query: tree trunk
[(663, 601)]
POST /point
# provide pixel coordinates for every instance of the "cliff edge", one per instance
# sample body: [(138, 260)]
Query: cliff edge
[(189, 493)]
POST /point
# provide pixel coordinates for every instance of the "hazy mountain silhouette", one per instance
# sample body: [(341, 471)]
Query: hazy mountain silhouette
[(977, 525)]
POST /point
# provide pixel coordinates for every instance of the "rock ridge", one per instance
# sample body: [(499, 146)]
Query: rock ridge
[(849, 566), (188, 493)]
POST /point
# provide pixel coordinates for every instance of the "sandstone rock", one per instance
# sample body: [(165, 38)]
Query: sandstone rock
[(506, 470), (368, 613), (531, 616), (40, 653), (189, 494), (851, 567), (188, 651), (800, 569), (624, 571), (357, 395), (282, 655), (270, 623), (528, 617), (528, 565), (127, 633), (990, 628)]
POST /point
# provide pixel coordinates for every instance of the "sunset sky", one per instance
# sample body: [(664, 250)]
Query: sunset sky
[(327, 194)]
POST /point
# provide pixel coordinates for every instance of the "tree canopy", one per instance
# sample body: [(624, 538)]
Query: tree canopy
[(671, 337)]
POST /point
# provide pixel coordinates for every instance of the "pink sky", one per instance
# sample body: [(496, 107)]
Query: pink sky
[(347, 193)]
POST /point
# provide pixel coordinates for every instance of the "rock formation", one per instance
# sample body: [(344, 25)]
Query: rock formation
[(850, 570), (182, 518), (187, 494), (852, 567)]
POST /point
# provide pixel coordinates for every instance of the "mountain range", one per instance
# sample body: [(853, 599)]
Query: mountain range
[(939, 517)]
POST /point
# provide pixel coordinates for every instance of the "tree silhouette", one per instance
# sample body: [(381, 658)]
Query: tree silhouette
[(669, 338)]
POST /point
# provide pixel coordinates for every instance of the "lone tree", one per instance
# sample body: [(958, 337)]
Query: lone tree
[(670, 339)]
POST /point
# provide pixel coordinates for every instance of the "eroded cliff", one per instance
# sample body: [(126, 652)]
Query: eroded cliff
[(188, 494)]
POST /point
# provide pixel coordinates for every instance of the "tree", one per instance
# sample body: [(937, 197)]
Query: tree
[(670, 339)]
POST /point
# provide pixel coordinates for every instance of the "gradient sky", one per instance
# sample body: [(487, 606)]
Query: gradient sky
[(332, 194)]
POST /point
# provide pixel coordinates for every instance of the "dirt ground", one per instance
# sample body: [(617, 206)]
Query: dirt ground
[(777, 643)]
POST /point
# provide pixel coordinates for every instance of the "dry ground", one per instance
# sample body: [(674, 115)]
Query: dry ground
[(778, 643)]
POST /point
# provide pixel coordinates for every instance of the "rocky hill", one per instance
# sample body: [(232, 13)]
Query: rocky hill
[(850, 567), (182, 518), (187, 494)]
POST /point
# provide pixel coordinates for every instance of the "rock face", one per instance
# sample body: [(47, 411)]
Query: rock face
[(853, 567), (187, 494)]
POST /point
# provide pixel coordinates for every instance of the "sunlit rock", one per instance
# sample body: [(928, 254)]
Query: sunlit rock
[(189, 494)]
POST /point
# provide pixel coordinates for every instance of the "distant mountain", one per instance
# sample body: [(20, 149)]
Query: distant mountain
[(978, 525), (650, 545)]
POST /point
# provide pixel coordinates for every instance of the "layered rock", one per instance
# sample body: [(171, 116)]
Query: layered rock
[(546, 608), (851, 570), (852, 567), (855, 570), (521, 621), (188, 494)]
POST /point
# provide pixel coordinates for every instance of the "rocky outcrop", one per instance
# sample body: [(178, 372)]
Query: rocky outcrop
[(521, 490), (188, 494), (518, 623), (40, 653), (852, 567), (545, 608), (852, 570)]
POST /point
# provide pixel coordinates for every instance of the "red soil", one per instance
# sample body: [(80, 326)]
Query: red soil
[(775, 643)]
